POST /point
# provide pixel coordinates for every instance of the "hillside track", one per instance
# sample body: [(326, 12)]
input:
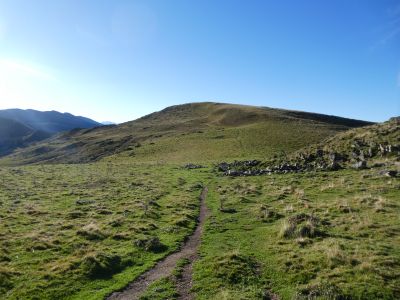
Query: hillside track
[(165, 267)]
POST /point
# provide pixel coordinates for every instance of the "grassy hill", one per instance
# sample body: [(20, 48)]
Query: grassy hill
[(81, 231), (198, 132)]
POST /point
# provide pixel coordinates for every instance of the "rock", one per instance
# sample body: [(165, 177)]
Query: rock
[(389, 173), (192, 166), (378, 165), (361, 156), (360, 165), (223, 167), (334, 166), (232, 173), (370, 152), (84, 201), (333, 157)]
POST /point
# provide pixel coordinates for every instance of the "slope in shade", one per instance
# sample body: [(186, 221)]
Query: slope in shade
[(19, 128), (49, 121)]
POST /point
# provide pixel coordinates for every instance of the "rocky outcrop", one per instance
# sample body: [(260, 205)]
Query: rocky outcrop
[(360, 150)]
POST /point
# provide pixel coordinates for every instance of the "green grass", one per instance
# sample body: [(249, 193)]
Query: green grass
[(344, 243), (161, 289), (81, 231), (74, 231)]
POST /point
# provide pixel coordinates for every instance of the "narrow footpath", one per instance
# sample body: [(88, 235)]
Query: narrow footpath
[(165, 267)]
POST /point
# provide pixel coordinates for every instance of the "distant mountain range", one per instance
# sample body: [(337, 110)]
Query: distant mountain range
[(19, 128)]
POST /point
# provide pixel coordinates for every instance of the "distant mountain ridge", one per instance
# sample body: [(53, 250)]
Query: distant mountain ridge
[(19, 128), (49, 121)]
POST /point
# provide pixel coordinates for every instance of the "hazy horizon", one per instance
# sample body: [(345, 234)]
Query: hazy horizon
[(120, 60)]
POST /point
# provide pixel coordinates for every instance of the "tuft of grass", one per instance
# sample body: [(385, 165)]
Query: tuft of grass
[(299, 226), (92, 231), (236, 268), (100, 265), (180, 265), (321, 290), (150, 243), (161, 289)]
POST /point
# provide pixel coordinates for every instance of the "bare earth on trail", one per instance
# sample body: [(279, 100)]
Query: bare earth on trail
[(165, 267)]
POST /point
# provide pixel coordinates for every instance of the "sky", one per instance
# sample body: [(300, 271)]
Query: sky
[(117, 60)]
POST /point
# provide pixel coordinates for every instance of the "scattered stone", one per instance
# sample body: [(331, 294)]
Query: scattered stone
[(84, 201), (193, 166), (360, 165), (334, 166), (389, 173), (359, 154), (378, 165)]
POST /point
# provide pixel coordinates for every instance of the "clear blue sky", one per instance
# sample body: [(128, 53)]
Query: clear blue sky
[(117, 60)]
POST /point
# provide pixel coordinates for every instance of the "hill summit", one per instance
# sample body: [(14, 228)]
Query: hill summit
[(192, 132)]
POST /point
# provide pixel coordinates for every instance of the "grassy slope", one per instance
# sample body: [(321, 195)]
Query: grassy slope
[(351, 251), (52, 247), (324, 235), (196, 132)]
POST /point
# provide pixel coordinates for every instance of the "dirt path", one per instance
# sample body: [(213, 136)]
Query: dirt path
[(165, 267)]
